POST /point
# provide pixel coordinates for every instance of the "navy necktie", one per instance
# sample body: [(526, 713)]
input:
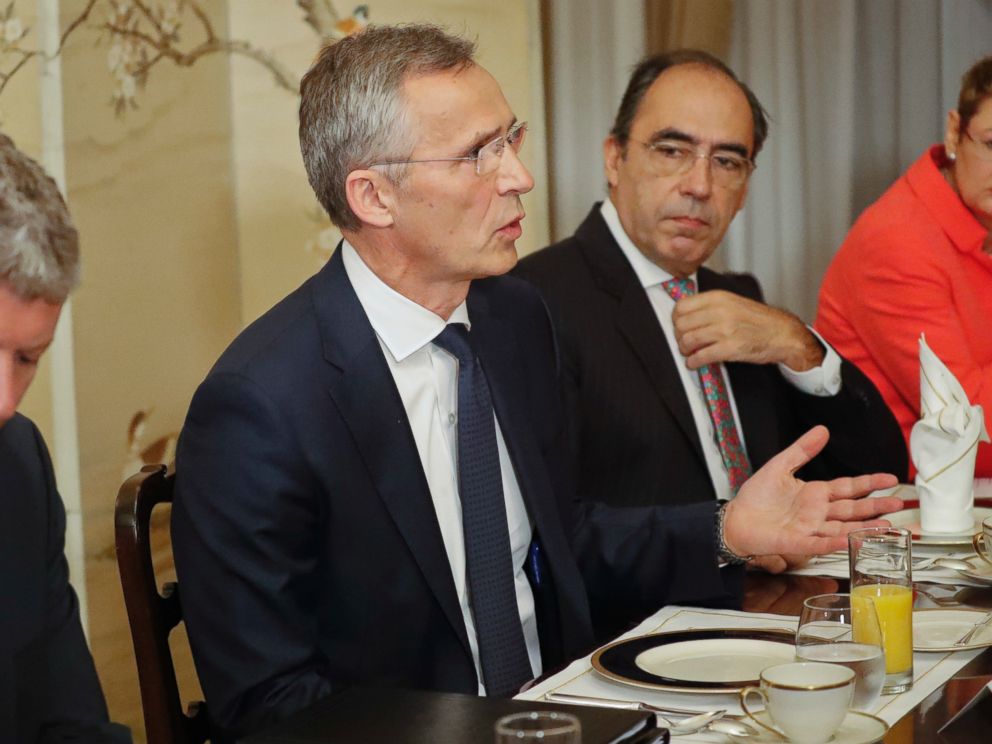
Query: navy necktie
[(488, 561)]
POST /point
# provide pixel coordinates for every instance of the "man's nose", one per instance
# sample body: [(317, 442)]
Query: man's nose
[(698, 180), (514, 178)]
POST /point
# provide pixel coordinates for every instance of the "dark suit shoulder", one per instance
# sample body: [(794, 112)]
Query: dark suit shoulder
[(272, 336), (746, 285), (510, 295), (20, 433), (24, 465), (556, 268), (521, 306)]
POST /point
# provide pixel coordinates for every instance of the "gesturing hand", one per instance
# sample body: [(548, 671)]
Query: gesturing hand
[(719, 326), (776, 513)]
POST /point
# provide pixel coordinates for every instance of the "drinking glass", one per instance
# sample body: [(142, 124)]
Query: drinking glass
[(551, 726), (881, 561), (841, 629)]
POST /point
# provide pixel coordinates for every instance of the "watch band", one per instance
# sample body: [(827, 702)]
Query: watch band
[(724, 553)]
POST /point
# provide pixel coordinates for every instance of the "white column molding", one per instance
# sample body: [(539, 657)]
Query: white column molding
[(65, 444)]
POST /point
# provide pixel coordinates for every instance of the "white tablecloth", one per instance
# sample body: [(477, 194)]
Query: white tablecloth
[(931, 670)]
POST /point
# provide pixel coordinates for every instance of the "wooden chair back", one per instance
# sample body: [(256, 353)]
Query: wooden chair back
[(153, 615)]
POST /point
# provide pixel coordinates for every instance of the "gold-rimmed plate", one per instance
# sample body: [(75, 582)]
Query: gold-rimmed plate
[(939, 629), (711, 660), (910, 519), (856, 728)]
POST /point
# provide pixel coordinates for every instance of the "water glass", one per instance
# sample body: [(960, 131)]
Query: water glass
[(551, 726), (881, 561), (841, 629)]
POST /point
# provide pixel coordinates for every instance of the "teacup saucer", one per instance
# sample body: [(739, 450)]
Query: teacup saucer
[(857, 728)]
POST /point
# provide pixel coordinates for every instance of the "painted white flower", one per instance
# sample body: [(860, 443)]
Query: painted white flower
[(13, 30), (169, 20), (118, 11), (128, 87), (115, 56)]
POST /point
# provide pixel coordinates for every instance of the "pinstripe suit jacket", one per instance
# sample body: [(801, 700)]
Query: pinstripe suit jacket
[(631, 424)]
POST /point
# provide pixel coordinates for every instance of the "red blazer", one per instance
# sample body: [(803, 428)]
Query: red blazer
[(913, 263)]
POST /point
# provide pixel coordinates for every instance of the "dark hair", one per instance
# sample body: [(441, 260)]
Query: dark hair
[(976, 86), (648, 70), (352, 111), (39, 248)]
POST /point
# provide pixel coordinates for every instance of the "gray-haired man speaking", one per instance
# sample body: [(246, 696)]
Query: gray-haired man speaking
[(372, 482)]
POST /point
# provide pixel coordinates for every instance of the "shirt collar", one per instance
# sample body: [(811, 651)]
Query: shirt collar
[(943, 203), (402, 325), (648, 273)]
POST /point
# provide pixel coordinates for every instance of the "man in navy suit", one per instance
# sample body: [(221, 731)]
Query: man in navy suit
[(372, 482), (49, 691)]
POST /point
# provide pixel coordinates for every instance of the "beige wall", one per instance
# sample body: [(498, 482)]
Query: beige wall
[(151, 195)]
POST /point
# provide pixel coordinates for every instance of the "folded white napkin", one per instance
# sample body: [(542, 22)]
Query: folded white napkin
[(944, 444)]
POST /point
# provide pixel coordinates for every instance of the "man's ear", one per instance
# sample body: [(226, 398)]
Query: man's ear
[(370, 196), (612, 155)]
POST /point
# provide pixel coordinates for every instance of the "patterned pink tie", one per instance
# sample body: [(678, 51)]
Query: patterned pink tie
[(734, 457)]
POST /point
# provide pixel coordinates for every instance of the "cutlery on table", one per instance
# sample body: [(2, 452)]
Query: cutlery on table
[(976, 628), (943, 561), (951, 601), (714, 720), (935, 561)]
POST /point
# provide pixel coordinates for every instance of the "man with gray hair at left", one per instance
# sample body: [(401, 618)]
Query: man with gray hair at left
[(49, 691)]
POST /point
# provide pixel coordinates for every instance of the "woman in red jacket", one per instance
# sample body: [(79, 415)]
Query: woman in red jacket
[(920, 260)]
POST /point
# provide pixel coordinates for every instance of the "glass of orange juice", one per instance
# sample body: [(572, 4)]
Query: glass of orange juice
[(881, 561)]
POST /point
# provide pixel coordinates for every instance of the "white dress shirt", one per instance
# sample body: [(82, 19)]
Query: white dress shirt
[(822, 381), (426, 377)]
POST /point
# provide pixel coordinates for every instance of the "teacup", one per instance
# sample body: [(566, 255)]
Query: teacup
[(807, 701), (983, 541)]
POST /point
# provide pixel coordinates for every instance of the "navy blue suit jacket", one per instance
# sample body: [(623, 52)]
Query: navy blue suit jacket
[(306, 542), (49, 691)]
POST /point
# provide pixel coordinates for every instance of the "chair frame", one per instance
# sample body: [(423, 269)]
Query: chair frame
[(153, 615)]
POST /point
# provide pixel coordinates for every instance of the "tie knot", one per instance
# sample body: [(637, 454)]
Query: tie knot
[(454, 339), (679, 288)]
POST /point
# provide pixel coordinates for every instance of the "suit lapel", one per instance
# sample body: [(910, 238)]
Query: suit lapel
[(636, 321), (362, 387)]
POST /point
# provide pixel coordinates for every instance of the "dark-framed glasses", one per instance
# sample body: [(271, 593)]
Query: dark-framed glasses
[(983, 147), (675, 158), (486, 157)]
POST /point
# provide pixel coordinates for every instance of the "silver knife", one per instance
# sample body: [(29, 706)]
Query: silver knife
[(976, 628), (565, 697)]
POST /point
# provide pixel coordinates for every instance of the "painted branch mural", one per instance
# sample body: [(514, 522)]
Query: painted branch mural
[(142, 35)]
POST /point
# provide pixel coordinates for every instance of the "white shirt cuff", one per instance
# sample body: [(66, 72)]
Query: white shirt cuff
[(822, 381)]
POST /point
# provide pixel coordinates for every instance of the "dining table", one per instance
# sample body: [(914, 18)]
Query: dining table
[(950, 702), (945, 685), (785, 593), (772, 600)]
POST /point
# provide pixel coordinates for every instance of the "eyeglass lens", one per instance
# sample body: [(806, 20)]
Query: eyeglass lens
[(677, 158), (491, 154)]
